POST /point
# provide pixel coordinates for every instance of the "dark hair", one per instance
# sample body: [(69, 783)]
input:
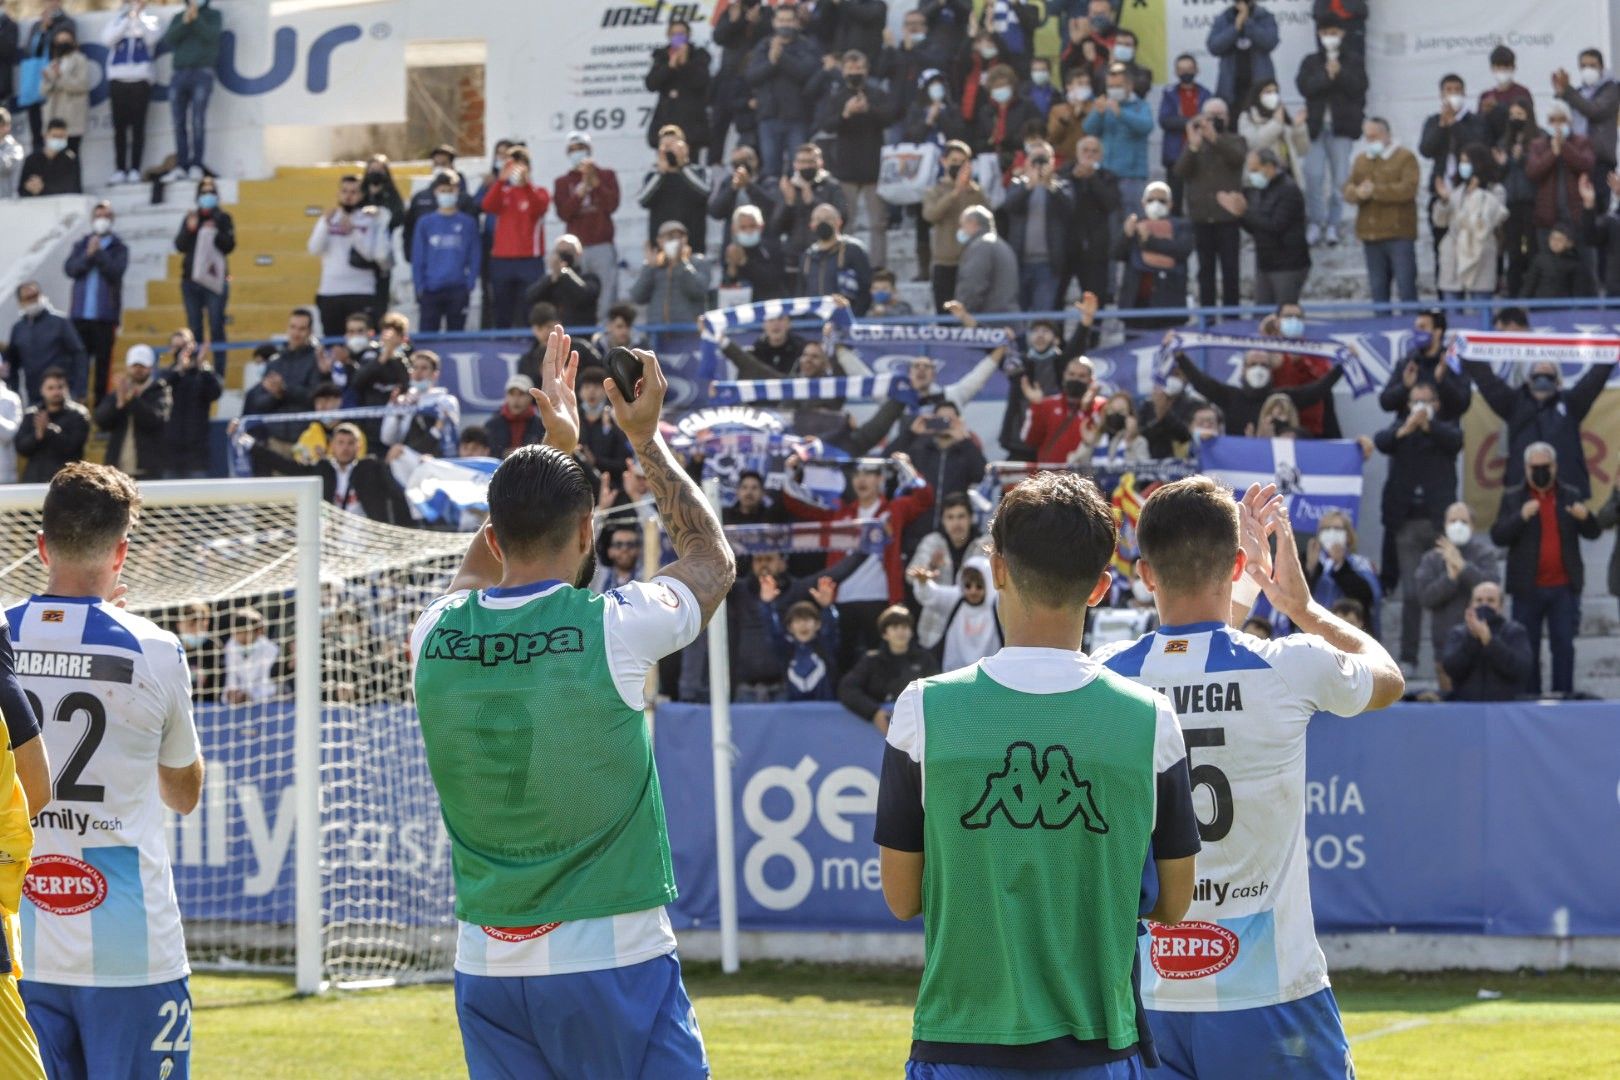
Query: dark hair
[(265, 351), (348, 178), (1256, 620), (1479, 155), (1436, 317), (804, 609), (445, 178), (1515, 315), (520, 155), (1185, 56), (1502, 56), (592, 376), (955, 500), (1564, 229), (627, 312), (52, 373), (1593, 53), (542, 314), (88, 509), (305, 312), (1268, 157), (750, 474), (327, 389), (57, 124), (1050, 324), (1188, 533), (536, 498), (475, 434), (1057, 534), (1350, 606), (361, 316), (895, 615), (1451, 77), (885, 273)]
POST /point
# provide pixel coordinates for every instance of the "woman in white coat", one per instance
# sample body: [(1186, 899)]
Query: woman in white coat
[(1472, 208), (1265, 125)]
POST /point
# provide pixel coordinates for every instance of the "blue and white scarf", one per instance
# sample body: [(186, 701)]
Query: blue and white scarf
[(1356, 373), (826, 388)]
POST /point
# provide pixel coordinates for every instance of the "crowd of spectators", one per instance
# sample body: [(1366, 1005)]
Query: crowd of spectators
[(773, 137)]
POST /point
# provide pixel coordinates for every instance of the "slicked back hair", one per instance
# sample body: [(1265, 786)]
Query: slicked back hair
[(1057, 535), (88, 509), (1188, 534), (536, 498)]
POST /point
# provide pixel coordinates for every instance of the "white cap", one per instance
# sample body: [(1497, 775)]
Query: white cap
[(577, 138), (520, 382), (142, 355)]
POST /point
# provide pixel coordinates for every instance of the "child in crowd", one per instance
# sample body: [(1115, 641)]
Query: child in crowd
[(1558, 272), (250, 660), (807, 638), (972, 630)]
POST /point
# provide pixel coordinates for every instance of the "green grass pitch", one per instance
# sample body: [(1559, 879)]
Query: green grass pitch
[(785, 1022)]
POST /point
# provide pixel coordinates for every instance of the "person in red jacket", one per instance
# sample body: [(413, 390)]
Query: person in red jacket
[(518, 258), (587, 196), (868, 584), (1056, 424)]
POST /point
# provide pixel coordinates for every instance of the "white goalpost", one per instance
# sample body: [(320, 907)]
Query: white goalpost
[(318, 846)]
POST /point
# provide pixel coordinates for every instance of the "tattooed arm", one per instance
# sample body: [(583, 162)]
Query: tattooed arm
[(704, 561)]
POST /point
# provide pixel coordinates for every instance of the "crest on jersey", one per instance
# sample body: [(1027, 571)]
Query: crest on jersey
[(519, 933), (1192, 949), (53, 615), (1176, 645), (63, 885)]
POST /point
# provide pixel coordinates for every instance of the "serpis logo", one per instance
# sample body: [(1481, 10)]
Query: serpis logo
[(519, 933), (1192, 950), (63, 885)]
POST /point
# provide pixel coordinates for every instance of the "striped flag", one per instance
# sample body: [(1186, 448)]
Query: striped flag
[(451, 490), (827, 388), (1315, 475), (1127, 501), (1512, 347)]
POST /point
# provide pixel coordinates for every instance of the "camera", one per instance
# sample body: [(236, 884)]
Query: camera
[(856, 82), (670, 159)]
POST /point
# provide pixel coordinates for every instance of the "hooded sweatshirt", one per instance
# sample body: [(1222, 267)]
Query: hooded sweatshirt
[(972, 631)]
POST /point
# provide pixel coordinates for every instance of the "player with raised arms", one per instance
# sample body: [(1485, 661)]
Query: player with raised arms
[(530, 690), (1239, 990), (1021, 799), (104, 954)]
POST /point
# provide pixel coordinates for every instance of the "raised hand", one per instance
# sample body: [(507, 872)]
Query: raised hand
[(825, 592), (638, 419), (769, 590), (554, 397), (1288, 590)]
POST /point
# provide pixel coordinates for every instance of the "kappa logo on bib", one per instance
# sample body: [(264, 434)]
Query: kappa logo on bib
[(1192, 950), (519, 933), (63, 885)]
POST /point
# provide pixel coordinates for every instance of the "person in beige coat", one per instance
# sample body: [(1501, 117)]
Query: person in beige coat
[(1471, 208), (66, 84), (1266, 125)]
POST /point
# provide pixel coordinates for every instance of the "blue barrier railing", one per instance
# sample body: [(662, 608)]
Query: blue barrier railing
[(1483, 310)]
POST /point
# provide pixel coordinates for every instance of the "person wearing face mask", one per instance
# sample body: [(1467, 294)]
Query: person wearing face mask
[(1540, 523), (96, 266), (1594, 104), (835, 263), (1556, 163), (1241, 405), (1335, 571), (1425, 365), (1321, 420), (1058, 423), (752, 258), (1242, 37), (777, 70), (1558, 271), (444, 258), (736, 29), (425, 202), (1446, 576), (680, 78), (134, 413), (903, 63), (1512, 154), (1333, 81), (1165, 416), (1097, 218), (1181, 105), (1422, 451), (517, 257), (602, 444), (1383, 187), (1446, 135), (1038, 210), (352, 242), (433, 423), (942, 207), (669, 288), (193, 37), (205, 656), (1273, 212), (1503, 93), (887, 302), (38, 46), (946, 454), (1472, 209), (206, 236), (194, 386), (1212, 164), (1040, 91), (933, 115), (1542, 410), (742, 186), (1266, 124), (586, 197), (987, 276), (857, 111), (53, 170), (131, 37), (1115, 441), (1154, 248), (1123, 122), (42, 340), (1487, 656), (66, 83), (569, 285), (1001, 116), (517, 422), (1041, 363)]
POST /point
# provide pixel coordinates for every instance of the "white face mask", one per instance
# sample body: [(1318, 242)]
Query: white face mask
[(56, 146), (1459, 532), (1590, 76), (1328, 539), (1174, 385), (101, 226), (1330, 43), (1040, 78), (1116, 93), (1457, 102), (1504, 79), (578, 157), (421, 386), (1143, 594), (1124, 53), (936, 91), (357, 344), (1270, 99), (1257, 376), (1156, 210), (1079, 95), (672, 249)]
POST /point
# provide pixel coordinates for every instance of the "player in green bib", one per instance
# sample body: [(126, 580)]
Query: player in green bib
[(1021, 800), (530, 692)]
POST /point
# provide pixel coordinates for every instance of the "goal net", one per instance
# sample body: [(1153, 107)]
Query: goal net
[(318, 844)]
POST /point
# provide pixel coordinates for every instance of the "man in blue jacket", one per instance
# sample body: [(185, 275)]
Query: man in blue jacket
[(777, 71), (445, 252), (1243, 37), (97, 264), (41, 339), (1123, 122)]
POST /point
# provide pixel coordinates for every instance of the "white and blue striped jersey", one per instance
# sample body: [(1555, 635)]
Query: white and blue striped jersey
[(1249, 938), (113, 695)]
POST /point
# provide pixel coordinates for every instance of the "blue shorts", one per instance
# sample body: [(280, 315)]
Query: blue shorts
[(112, 1032), (1128, 1069), (620, 1024), (1299, 1040)]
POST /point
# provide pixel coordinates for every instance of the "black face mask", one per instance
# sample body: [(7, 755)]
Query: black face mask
[(1114, 423), (1218, 123), (808, 175), (951, 171), (1541, 476), (1488, 615), (1187, 77), (1101, 24), (1543, 384), (1075, 388), (824, 230)]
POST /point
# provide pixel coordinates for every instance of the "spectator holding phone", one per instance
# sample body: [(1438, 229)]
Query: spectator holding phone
[(516, 259), (194, 386)]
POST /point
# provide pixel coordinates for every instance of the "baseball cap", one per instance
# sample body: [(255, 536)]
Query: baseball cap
[(140, 354), (671, 226), (520, 382), (578, 138)]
